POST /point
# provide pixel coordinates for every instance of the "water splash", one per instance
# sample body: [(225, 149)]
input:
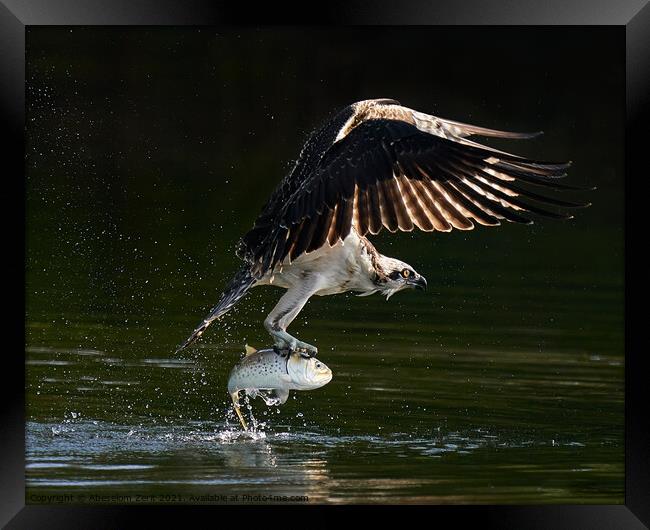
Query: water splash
[(254, 425)]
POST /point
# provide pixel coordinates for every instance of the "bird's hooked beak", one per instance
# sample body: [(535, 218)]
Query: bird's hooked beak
[(419, 283)]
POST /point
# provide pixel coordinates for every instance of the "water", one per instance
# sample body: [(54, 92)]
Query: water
[(504, 383), (422, 408)]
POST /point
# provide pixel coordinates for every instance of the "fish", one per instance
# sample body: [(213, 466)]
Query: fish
[(271, 375)]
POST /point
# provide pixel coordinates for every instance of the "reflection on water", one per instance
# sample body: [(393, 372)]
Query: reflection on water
[(213, 459)]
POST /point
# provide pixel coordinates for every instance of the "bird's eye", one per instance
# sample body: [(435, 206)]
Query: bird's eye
[(406, 273)]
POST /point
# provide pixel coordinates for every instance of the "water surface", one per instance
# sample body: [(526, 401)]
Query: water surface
[(485, 413)]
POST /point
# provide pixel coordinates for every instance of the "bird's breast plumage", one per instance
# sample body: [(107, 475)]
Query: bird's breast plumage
[(345, 266)]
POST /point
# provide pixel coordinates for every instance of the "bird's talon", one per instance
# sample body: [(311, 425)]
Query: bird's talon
[(307, 350), (282, 351), (288, 346)]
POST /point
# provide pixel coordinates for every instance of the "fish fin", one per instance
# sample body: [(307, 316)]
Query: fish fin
[(235, 404), (282, 394), (249, 350)]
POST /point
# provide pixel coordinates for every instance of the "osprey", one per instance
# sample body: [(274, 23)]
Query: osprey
[(374, 165)]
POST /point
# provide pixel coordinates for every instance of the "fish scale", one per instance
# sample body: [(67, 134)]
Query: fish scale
[(261, 371)]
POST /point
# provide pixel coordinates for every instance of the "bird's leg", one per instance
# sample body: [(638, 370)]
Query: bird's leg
[(285, 341), (283, 314)]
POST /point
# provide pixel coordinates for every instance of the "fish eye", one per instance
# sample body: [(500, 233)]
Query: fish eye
[(318, 365), (406, 273)]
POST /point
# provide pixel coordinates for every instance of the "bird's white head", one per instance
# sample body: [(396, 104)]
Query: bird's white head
[(395, 275)]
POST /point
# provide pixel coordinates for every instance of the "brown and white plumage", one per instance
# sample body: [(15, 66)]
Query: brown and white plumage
[(374, 165)]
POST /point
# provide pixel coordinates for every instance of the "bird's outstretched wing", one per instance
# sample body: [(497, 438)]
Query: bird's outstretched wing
[(393, 174), (236, 289)]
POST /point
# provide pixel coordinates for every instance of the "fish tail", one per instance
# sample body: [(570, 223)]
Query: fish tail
[(235, 405)]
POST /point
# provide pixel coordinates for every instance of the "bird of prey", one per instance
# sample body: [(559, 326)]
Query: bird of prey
[(377, 164)]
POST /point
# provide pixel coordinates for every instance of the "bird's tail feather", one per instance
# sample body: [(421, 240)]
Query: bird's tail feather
[(235, 291)]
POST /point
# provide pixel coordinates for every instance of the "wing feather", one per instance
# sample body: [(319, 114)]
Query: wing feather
[(321, 230), (374, 209), (413, 205), (388, 214), (435, 216), (389, 173), (404, 221), (363, 214)]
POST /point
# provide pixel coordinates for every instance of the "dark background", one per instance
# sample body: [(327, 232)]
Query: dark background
[(150, 151)]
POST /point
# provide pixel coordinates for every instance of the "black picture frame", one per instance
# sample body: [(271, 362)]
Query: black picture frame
[(633, 16)]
